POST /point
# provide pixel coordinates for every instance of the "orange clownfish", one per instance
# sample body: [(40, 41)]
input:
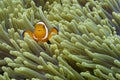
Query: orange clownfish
[(41, 32)]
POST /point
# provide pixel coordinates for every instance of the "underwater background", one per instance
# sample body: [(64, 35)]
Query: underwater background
[(87, 46)]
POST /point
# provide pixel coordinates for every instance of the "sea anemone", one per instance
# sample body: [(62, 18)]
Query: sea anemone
[(87, 45)]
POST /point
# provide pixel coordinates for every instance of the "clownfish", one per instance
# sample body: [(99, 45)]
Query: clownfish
[(41, 32)]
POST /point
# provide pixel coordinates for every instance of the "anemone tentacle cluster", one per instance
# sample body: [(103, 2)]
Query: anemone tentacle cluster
[(87, 46)]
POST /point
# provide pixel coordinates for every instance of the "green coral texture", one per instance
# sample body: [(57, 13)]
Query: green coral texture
[(87, 46)]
